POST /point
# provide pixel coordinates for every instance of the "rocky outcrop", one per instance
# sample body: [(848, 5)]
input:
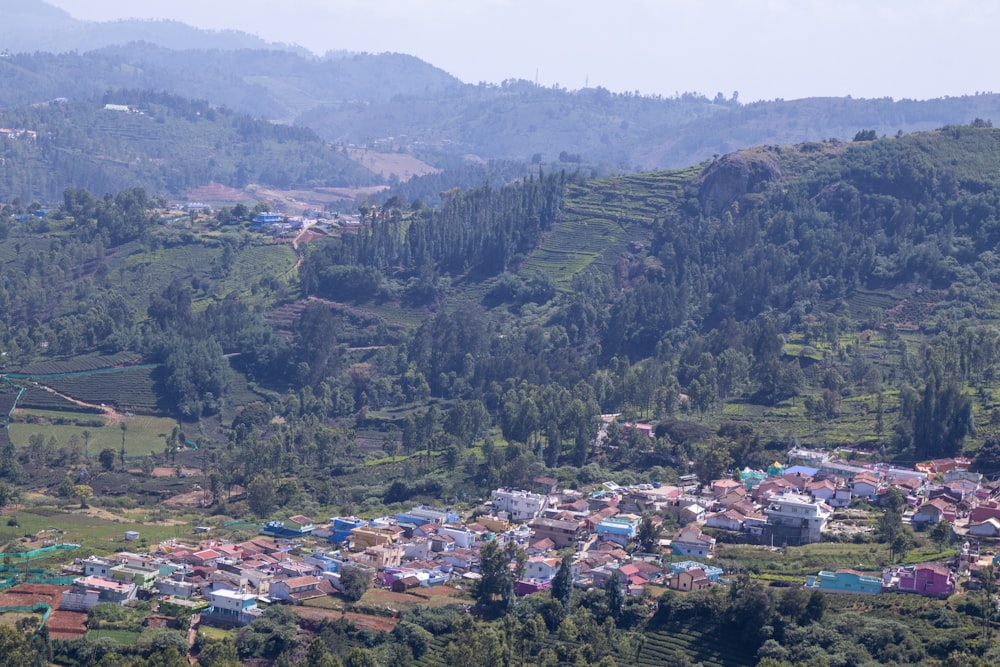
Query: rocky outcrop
[(735, 175)]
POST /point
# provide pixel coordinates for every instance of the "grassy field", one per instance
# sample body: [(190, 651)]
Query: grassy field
[(123, 637), (94, 530), (215, 634), (145, 434)]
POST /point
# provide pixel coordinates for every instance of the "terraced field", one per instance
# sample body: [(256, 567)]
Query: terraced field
[(87, 362), (599, 222)]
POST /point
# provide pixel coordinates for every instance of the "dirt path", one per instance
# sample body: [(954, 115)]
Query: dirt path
[(295, 246), (113, 416)]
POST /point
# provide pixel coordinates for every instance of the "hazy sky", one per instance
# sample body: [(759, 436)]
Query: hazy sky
[(762, 48)]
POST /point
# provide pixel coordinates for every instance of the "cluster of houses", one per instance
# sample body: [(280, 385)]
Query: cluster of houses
[(278, 224), (295, 559), (18, 133)]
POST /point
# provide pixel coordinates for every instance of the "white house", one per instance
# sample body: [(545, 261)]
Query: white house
[(519, 505), (864, 485), (794, 518), (988, 528), (538, 567)]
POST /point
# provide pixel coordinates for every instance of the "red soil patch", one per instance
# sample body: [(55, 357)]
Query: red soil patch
[(308, 236), (61, 624), (30, 594), (67, 624)]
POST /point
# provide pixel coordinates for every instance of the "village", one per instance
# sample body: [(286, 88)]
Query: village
[(294, 560)]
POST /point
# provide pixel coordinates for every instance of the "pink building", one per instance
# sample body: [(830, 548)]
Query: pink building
[(926, 579)]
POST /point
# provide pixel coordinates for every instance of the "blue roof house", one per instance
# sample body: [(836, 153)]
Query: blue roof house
[(618, 529), (342, 527), (263, 219)]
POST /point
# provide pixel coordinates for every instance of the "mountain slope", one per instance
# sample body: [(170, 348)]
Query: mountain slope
[(165, 144)]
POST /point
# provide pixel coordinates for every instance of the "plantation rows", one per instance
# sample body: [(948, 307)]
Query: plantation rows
[(257, 261), (662, 647), (39, 399), (863, 301), (127, 389), (79, 364)]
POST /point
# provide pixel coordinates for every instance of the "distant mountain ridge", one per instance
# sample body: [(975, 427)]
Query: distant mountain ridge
[(393, 102), (33, 25)]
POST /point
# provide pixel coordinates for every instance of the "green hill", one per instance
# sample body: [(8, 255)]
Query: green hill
[(832, 294), (162, 143)]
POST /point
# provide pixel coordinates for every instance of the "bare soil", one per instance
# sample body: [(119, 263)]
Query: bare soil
[(188, 500)]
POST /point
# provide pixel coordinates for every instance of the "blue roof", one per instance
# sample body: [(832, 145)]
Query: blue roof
[(805, 470)]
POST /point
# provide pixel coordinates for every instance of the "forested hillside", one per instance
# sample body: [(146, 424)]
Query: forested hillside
[(162, 143), (831, 293)]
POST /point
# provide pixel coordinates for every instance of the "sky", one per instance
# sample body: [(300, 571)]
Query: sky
[(760, 49)]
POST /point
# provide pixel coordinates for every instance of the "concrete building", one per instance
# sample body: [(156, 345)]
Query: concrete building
[(563, 533), (518, 505), (231, 608), (90, 591), (794, 519)]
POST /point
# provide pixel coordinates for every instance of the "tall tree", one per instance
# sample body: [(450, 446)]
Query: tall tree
[(648, 535), (615, 596), (562, 583)]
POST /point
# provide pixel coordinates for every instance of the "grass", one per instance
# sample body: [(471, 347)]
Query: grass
[(145, 434), (215, 634), (12, 617), (102, 534), (808, 559), (123, 637)]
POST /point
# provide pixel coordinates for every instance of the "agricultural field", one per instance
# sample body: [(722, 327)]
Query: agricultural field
[(12, 618), (95, 530), (79, 364), (599, 223), (145, 434), (38, 398), (123, 637)]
